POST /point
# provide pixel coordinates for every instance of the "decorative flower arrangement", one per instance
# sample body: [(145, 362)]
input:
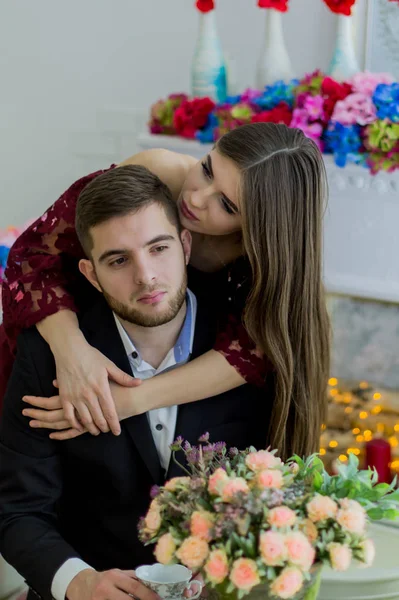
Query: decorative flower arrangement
[(245, 518), (340, 7), (205, 6), (355, 120), (280, 5)]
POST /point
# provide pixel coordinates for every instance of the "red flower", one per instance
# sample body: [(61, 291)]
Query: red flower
[(205, 5), (281, 5), (340, 7), (279, 114), (192, 115), (332, 91)]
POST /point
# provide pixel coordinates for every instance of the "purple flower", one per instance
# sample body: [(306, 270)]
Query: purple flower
[(204, 437), (192, 456), (154, 491), (233, 451), (219, 447)]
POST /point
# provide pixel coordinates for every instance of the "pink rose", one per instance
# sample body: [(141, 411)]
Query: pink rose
[(310, 530), (263, 459), (233, 487), (321, 508), (340, 556), (153, 518), (217, 566), (201, 525), (300, 551), (244, 574), (368, 552), (281, 516), (272, 548), (217, 481), (177, 482), (193, 552), (288, 583), (269, 478), (165, 549), (352, 516)]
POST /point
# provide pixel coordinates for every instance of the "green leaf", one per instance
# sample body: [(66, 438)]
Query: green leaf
[(375, 514)]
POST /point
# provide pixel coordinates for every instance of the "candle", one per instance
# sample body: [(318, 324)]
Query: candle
[(378, 455)]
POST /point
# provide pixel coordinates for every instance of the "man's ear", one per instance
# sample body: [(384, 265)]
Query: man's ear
[(186, 241), (86, 267)]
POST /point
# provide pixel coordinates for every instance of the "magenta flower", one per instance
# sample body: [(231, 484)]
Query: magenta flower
[(355, 109), (314, 105)]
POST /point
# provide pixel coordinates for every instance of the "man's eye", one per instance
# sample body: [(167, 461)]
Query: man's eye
[(159, 249), (119, 261), (206, 170)]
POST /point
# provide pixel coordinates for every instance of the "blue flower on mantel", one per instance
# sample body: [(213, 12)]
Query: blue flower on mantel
[(4, 251), (276, 93), (344, 142), (206, 135), (386, 100)]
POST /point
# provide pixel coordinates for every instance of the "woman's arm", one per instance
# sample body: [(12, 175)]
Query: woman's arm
[(204, 377)]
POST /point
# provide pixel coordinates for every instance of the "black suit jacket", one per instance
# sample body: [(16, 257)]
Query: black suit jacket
[(84, 497)]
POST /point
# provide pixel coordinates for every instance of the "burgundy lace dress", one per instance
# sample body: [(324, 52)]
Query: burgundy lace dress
[(42, 278)]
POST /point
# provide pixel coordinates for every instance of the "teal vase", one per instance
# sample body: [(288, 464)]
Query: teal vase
[(208, 75)]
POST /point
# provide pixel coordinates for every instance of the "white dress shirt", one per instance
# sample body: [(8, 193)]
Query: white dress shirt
[(162, 421)]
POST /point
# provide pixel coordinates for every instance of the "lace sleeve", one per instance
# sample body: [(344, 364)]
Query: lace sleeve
[(36, 276), (233, 340)]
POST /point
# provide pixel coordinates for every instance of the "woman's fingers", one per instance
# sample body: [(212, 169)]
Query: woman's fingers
[(58, 425), (68, 434), (52, 403), (47, 416)]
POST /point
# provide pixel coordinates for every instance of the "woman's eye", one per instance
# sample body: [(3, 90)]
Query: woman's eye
[(226, 206), (206, 170), (118, 262)]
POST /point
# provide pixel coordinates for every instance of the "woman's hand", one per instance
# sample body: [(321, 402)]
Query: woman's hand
[(83, 380), (48, 413), (83, 375)]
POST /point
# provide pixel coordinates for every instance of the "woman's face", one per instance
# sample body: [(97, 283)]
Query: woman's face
[(208, 202)]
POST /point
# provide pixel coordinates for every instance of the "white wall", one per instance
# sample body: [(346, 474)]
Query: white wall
[(77, 79)]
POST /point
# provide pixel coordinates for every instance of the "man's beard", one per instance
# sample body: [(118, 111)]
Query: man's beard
[(136, 317)]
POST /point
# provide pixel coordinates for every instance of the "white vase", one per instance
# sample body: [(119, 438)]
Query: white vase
[(274, 63), (208, 74), (344, 62)]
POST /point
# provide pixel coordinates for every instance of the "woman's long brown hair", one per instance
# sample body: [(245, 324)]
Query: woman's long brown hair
[(283, 191)]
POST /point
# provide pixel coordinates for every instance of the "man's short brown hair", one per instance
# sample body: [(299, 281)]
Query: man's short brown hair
[(119, 192)]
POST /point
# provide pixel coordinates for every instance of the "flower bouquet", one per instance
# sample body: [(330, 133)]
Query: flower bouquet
[(249, 522)]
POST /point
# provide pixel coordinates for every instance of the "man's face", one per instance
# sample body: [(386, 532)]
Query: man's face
[(138, 262)]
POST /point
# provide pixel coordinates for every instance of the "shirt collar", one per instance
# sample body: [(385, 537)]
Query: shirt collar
[(184, 344)]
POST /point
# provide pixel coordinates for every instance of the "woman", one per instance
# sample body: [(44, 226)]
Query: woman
[(259, 192)]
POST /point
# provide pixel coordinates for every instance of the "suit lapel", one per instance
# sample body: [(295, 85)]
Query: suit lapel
[(100, 330)]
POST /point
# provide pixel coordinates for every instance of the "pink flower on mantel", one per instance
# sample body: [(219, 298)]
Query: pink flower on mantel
[(217, 481), (352, 516), (365, 83), (270, 478), (314, 106), (193, 552), (355, 109), (288, 583), (368, 552)]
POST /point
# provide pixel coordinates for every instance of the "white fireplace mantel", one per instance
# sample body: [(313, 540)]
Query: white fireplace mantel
[(361, 256)]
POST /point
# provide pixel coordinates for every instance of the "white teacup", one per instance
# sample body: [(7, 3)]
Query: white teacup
[(168, 581)]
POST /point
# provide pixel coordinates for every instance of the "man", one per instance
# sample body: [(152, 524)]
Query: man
[(69, 510)]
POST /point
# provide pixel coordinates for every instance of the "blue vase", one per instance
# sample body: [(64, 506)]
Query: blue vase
[(208, 75)]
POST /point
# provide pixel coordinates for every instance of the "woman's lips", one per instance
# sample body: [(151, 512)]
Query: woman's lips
[(187, 212), (152, 298)]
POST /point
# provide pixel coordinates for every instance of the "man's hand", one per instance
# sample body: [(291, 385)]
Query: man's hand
[(108, 585)]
